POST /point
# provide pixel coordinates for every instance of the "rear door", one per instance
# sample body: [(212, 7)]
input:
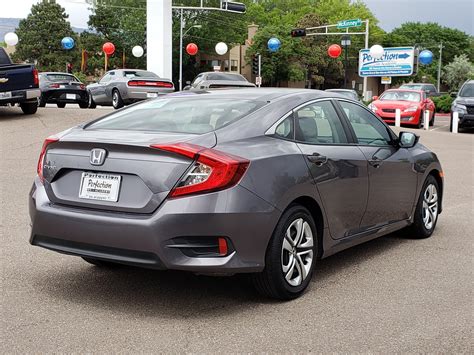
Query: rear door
[(392, 177), (339, 169)]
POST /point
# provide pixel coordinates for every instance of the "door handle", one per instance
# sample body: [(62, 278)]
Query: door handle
[(317, 159), (375, 162)]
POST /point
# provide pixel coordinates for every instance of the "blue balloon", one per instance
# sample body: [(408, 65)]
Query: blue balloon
[(425, 57), (67, 43), (273, 44)]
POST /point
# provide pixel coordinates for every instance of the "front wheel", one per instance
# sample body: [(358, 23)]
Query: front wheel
[(427, 209), (290, 256), (92, 103), (29, 108)]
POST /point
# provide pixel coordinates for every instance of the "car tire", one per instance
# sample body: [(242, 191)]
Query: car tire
[(29, 108), (100, 263), (288, 272), (117, 101), (427, 210), (420, 120), (83, 104), (61, 104), (41, 101), (91, 101)]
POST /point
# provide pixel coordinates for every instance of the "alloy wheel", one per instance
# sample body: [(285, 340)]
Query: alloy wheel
[(430, 206), (297, 252), (115, 99)]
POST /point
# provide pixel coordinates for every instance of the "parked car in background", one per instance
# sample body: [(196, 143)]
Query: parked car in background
[(464, 105), (258, 181), (412, 104), (18, 84), (122, 87), (218, 80), (351, 94), (62, 89), (430, 89)]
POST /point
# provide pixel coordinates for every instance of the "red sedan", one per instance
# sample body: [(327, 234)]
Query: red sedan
[(412, 105)]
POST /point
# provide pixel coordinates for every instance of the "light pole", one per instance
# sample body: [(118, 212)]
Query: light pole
[(345, 42), (181, 35)]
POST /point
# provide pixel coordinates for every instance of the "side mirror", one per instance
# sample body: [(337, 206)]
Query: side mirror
[(454, 94), (407, 139), (375, 98), (187, 87), (188, 82)]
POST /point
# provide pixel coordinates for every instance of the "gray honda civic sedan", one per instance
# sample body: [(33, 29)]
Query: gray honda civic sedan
[(259, 181)]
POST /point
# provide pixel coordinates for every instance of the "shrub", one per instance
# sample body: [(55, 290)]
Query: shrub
[(443, 103)]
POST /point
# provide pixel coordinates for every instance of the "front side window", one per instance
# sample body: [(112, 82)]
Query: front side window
[(318, 123), (105, 78), (367, 128)]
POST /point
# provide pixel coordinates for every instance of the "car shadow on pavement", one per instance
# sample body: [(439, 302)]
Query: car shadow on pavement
[(174, 294)]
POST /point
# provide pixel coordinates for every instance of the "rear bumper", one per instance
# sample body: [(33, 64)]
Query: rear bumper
[(138, 93), (19, 96), (144, 240), (54, 96)]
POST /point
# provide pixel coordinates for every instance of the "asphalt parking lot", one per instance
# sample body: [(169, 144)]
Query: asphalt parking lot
[(389, 295)]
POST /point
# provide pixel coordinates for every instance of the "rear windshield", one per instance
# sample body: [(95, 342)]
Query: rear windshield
[(139, 74), (401, 96), (222, 76), (467, 90), (4, 60), (60, 77), (178, 115)]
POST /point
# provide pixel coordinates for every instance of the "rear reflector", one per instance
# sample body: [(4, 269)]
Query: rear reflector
[(47, 142), (53, 86), (211, 171), (35, 76), (159, 84), (222, 246)]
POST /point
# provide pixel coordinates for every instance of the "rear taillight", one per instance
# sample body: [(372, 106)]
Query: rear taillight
[(53, 86), (211, 171), (82, 86), (159, 84), (47, 142), (35, 76)]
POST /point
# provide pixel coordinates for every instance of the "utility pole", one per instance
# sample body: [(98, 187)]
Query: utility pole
[(439, 63), (181, 25)]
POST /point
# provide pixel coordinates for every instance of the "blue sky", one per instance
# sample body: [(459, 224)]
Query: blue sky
[(391, 13)]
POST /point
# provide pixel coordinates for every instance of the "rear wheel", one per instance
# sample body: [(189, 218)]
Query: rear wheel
[(61, 104), (427, 208), (117, 101), (41, 101), (92, 103), (99, 263), (29, 108), (290, 256), (83, 104)]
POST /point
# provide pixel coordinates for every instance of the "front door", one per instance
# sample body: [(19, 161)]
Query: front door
[(339, 169), (392, 177)]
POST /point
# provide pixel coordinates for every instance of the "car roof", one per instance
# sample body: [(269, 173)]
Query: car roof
[(348, 90), (257, 94)]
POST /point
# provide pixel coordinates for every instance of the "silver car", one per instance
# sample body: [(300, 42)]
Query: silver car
[(259, 181), (218, 80), (121, 87)]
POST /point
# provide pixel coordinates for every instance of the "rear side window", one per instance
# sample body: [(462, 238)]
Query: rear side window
[(318, 123), (179, 115)]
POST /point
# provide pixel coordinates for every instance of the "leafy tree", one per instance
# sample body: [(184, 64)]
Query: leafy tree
[(40, 36), (458, 71)]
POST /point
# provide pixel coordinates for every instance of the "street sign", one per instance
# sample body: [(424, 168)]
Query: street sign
[(386, 79), (258, 80), (396, 61), (349, 23)]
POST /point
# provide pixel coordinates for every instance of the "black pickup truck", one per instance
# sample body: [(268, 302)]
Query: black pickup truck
[(18, 84)]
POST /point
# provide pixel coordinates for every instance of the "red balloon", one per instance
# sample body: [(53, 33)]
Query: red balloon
[(192, 49), (334, 50), (108, 48)]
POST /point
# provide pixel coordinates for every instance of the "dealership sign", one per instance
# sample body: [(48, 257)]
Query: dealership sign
[(396, 61)]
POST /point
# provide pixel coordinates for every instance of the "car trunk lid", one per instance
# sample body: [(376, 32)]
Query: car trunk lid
[(143, 176)]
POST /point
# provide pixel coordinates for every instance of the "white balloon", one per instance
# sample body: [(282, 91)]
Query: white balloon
[(376, 51), (137, 51), (221, 48), (11, 39)]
